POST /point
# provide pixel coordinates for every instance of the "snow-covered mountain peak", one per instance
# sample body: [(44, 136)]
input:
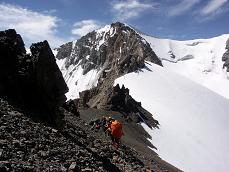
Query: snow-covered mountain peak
[(108, 31), (108, 52)]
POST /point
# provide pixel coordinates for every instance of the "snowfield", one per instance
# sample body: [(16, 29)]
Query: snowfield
[(193, 134), (199, 60), (75, 79)]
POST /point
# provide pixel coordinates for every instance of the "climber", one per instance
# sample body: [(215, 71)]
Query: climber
[(115, 132), (98, 123), (108, 124), (95, 124), (104, 123), (109, 119)]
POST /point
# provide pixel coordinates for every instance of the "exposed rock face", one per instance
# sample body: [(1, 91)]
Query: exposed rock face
[(225, 57), (85, 96), (116, 47), (71, 107), (50, 82), (32, 81), (11, 52), (227, 44), (65, 50)]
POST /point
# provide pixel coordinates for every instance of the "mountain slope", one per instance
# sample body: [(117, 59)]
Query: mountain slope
[(193, 120), (199, 60), (38, 132)]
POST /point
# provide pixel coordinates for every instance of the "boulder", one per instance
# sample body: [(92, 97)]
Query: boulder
[(71, 107), (34, 82), (11, 52), (49, 80)]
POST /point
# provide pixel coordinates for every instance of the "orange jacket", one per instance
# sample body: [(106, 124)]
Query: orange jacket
[(116, 129)]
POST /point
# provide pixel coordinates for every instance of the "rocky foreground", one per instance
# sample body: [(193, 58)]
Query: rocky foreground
[(30, 146), (26, 145)]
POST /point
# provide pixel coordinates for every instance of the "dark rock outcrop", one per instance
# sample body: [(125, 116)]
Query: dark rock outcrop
[(49, 80), (33, 82), (227, 44), (225, 57), (64, 50), (11, 53), (71, 107), (117, 99)]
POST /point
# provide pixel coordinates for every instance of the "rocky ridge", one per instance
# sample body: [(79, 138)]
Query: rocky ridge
[(225, 57), (118, 99), (116, 47)]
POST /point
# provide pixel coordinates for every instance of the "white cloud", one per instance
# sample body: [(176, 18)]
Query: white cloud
[(32, 26), (213, 6), (182, 7), (83, 27), (125, 10)]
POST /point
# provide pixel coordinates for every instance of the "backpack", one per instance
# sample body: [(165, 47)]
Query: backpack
[(116, 129)]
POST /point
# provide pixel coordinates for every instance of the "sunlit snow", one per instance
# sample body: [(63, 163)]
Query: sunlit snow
[(204, 65), (193, 134)]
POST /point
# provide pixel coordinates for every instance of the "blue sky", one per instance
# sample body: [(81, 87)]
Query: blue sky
[(60, 21)]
